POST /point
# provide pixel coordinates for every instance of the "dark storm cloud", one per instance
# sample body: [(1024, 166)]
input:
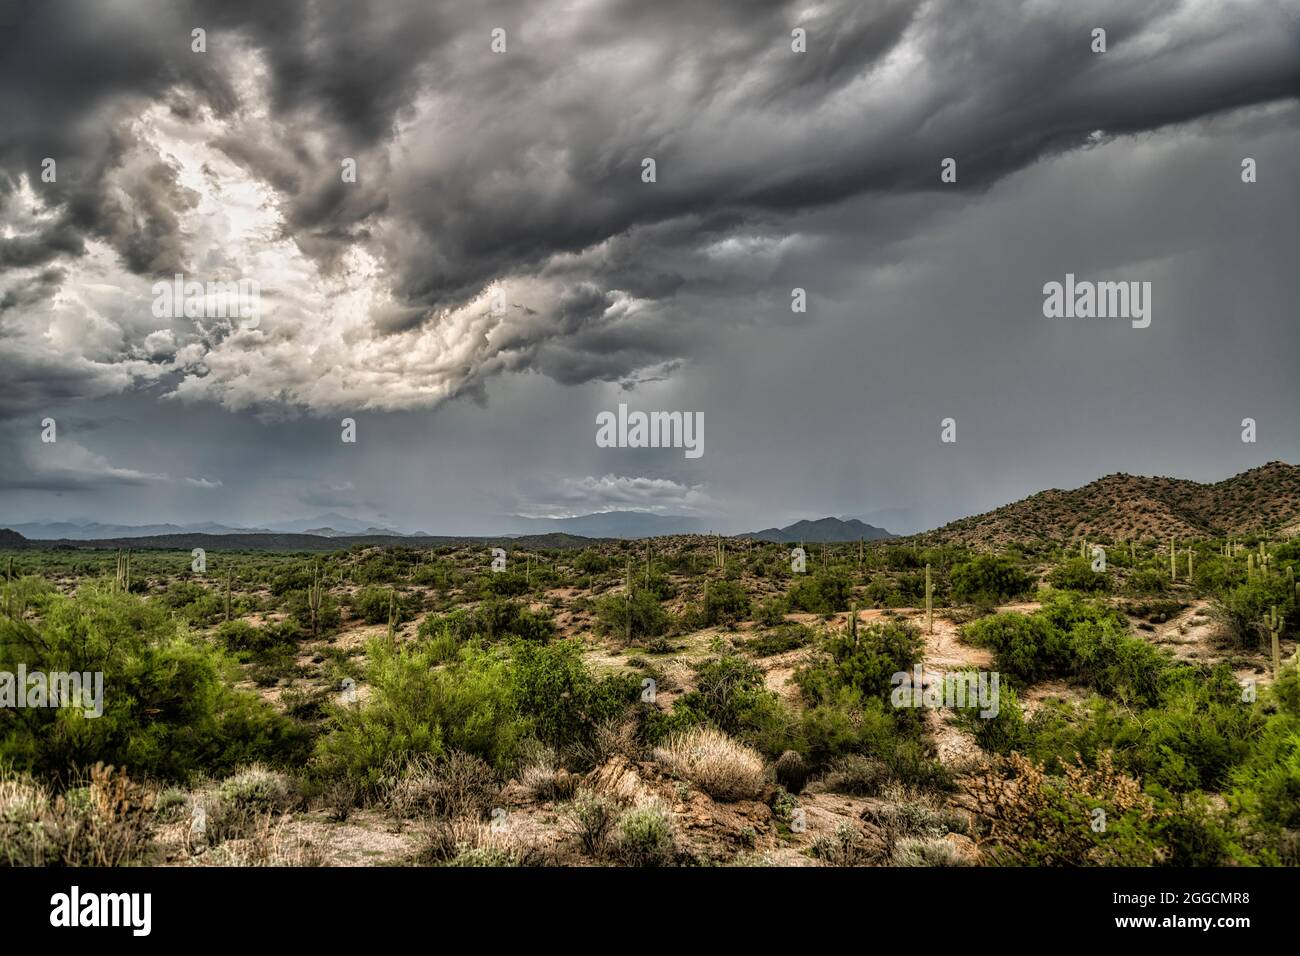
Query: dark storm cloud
[(522, 170), (547, 142)]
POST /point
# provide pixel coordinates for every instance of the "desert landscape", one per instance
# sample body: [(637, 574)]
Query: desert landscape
[(675, 701)]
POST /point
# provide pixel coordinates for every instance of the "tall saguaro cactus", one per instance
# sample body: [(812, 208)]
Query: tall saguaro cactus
[(315, 596), (929, 601), (227, 603), (1173, 559), (1274, 622), (392, 617)]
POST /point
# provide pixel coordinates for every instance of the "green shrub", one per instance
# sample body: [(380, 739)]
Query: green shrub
[(1077, 574), (372, 604), (825, 592), (645, 836), (415, 707), (771, 613), (989, 578), (725, 602), (168, 707), (787, 637), (648, 618), (1000, 733), (730, 695), (564, 703), (866, 663)]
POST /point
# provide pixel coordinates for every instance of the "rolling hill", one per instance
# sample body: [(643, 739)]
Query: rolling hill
[(1123, 507)]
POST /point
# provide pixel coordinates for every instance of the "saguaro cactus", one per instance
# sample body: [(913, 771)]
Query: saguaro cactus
[(1190, 553), (1173, 559), (315, 596), (392, 616), (929, 602), (1274, 622), (228, 574)]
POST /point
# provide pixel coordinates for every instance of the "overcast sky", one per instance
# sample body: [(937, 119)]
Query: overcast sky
[(516, 178)]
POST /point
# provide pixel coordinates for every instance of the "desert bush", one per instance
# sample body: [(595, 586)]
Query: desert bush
[(645, 835), (725, 603), (455, 784), (856, 775), (542, 777), (104, 822), (467, 842), (503, 584), (592, 817), (1000, 733), (715, 763), (730, 695), (989, 578), (825, 592), (564, 704), (865, 662), (1146, 581), (1077, 574), (648, 618), (1266, 785), (256, 787), (847, 846), (772, 612), (786, 637), (493, 620), (171, 710), (926, 851), (1242, 609), (1087, 817), (416, 708)]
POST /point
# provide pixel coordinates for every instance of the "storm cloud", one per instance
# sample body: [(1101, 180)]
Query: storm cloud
[(499, 229)]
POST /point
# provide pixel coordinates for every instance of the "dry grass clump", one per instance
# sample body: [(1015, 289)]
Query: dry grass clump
[(856, 775), (264, 840), (927, 851), (543, 778), (718, 765), (645, 835), (256, 787), (464, 841), (457, 785), (105, 822), (847, 846), (591, 817)]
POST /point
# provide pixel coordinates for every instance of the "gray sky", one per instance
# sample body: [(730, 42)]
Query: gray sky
[(516, 177)]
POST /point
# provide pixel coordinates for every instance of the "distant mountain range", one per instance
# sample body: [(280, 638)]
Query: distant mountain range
[(823, 529), (329, 525), (273, 541), (617, 524), (1116, 507)]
